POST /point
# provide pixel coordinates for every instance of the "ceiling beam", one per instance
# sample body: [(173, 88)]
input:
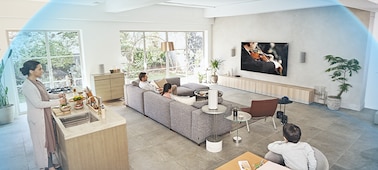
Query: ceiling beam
[(125, 5), (265, 6)]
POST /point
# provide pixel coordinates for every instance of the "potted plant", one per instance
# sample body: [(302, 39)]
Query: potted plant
[(341, 70), (201, 77), (215, 64), (6, 109)]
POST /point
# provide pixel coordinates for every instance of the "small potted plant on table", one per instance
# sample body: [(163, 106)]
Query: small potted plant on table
[(215, 64)]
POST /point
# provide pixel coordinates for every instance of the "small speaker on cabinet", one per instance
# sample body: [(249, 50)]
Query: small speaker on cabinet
[(302, 58)]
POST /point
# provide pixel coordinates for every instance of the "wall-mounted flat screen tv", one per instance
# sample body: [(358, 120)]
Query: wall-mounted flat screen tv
[(264, 57)]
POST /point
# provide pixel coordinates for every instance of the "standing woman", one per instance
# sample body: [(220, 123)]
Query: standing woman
[(39, 113)]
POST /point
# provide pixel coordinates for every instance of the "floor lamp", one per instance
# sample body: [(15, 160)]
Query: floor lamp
[(166, 47)]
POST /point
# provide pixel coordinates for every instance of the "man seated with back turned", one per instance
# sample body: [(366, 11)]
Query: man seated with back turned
[(144, 84), (296, 155)]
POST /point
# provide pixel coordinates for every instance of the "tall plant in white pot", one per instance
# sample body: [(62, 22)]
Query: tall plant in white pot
[(6, 109), (341, 70)]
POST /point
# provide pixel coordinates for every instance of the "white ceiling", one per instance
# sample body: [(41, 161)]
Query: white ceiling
[(220, 8)]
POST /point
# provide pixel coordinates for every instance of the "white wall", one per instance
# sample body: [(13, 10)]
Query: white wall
[(316, 31), (100, 30), (372, 71)]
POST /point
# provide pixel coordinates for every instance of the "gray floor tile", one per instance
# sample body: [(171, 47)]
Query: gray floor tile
[(348, 138)]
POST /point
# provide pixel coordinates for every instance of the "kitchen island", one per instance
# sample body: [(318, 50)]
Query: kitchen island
[(91, 142)]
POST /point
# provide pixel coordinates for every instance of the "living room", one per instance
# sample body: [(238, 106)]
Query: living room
[(316, 31), (297, 27)]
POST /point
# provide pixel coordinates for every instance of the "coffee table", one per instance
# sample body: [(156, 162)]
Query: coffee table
[(214, 142), (242, 117), (254, 161), (202, 94)]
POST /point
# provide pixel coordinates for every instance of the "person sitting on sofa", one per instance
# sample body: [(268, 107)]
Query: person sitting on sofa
[(167, 90), (144, 84), (296, 155)]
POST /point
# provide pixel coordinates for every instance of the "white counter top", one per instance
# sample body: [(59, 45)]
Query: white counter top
[(111, 120)]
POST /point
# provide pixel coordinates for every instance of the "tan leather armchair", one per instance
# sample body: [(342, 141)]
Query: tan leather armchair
[(263, 108)]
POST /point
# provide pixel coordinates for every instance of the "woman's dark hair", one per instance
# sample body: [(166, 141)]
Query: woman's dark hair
[(141, 75), (166, 88), (292, 132), (29, 65)]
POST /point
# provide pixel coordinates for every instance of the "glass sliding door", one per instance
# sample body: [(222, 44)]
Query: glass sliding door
[(59, 52), (142, 52)]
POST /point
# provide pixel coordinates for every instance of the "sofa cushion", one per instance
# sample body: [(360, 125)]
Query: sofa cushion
[(174, 80), (135, 83), (160, 83), (184, 99), (195, 86), (157, 107), (184, 91), (200, 104)]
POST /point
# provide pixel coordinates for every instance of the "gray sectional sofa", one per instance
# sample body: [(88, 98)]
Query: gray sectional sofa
[(187, 120)]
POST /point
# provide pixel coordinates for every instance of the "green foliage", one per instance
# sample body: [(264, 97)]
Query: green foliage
[(341, 69), (215, 64), (3, 90), (143, 49), (201, 77), (57, 51)]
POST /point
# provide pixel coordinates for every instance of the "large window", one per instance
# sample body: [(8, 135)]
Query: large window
[(58, 51), (142, 52)]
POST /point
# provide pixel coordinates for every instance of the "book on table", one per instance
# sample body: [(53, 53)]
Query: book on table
[(271, 165), (244, 165)]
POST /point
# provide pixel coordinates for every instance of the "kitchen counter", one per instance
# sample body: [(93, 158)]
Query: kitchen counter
[(111, 120), (98, 145)]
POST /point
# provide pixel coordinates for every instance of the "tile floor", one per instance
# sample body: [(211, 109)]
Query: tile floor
[(349, 139)]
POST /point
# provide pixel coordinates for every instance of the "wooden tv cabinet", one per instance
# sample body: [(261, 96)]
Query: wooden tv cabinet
[(296, 93)]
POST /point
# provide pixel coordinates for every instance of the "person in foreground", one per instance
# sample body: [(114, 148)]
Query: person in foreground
[(167, 90), (296, 155), (39, 114)]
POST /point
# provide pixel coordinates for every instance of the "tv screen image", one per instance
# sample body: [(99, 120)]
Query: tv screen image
[(265, 57)]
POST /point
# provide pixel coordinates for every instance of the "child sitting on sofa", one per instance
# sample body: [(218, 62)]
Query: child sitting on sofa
[(296, 155)]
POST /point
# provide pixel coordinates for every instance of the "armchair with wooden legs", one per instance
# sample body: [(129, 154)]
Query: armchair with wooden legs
[(263, 108)]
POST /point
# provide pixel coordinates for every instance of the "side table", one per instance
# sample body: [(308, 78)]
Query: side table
[(213, 142), (242, 117), (202, 94)]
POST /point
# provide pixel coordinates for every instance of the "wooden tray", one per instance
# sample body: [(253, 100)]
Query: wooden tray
[(58, 112)]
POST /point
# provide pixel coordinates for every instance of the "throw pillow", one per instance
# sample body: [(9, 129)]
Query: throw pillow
[(160, 83), (184, 99), (135, 83)]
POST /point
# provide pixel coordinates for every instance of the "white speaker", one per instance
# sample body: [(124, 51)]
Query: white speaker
[(101, 68)]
